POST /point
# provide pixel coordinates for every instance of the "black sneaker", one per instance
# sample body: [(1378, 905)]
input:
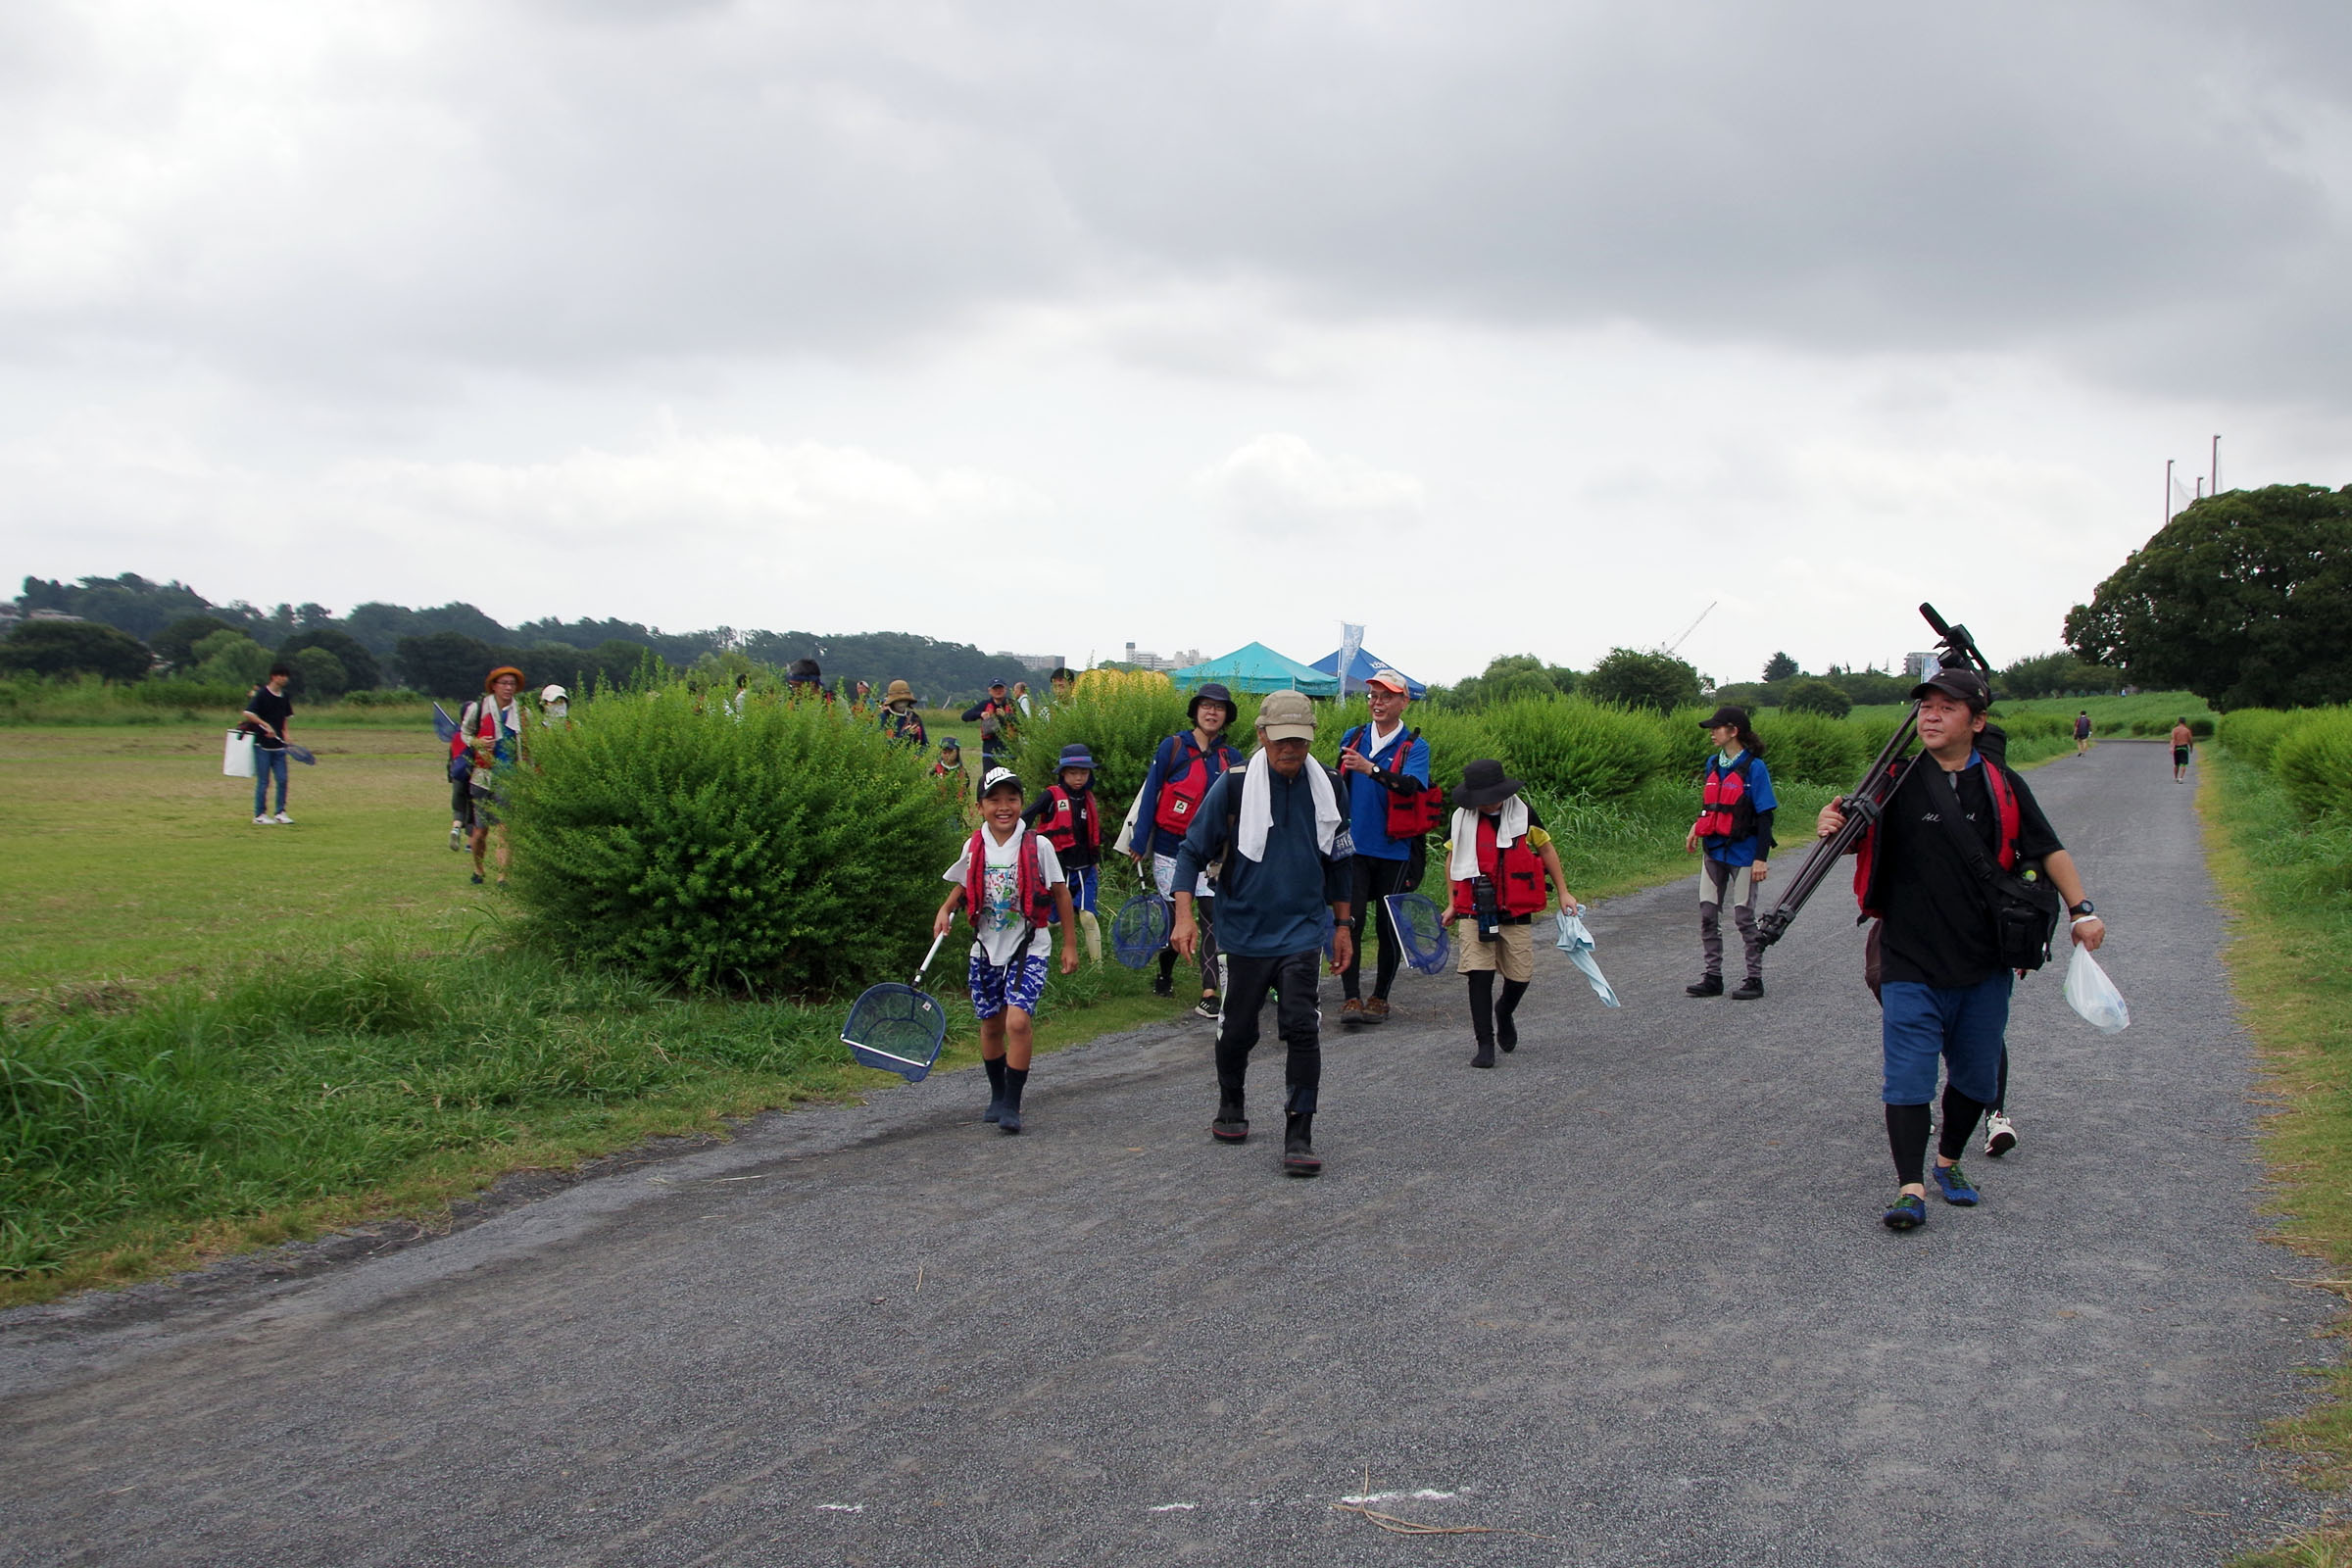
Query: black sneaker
[(1749, 989), (1708, 986), (1207, 1008), (1231, 1125), (1163, 987), (1299, 1158)]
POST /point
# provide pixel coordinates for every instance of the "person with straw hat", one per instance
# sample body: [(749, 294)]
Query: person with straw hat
[(491, 728), (900, 722)]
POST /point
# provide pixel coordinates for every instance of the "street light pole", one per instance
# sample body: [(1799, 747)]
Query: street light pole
[(2214, 488), (2168, 490)]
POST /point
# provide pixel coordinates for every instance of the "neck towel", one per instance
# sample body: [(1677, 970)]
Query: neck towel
[(1258, 806), (1462, 863)]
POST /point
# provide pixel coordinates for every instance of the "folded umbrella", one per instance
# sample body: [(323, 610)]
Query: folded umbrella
[(1577, 943)]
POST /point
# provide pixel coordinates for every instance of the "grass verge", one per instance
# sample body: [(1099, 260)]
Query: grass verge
[(2288, 885)]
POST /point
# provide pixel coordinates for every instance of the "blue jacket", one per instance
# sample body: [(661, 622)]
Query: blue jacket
[(1221, 759), (1275, 907), (1368, 801)]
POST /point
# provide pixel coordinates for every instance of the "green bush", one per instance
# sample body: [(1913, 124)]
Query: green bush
[(1566, 746), (2314, 759), (74, 648), (1804, 748), (1684, 733), (1121, 717), (385, 696), (2198, 728), (790, 850), (2253, 733), (1810, 694), (230, 659)]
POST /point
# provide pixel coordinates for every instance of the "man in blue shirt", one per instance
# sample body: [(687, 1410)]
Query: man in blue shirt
[(1276, 833), (1375, 760)]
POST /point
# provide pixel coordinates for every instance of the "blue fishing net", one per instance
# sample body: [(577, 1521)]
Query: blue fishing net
[(1420, 927), (896, 1028)]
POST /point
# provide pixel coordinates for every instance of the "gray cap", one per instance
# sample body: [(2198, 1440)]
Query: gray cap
[(1286, 716)]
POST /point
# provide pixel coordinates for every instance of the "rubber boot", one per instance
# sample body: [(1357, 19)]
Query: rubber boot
[(1165, 984), (1482, 1015), (1232, 1125), (1092, 929), (1506, 1033), (1298, 1157), (996, 1088), (1009, 1118)]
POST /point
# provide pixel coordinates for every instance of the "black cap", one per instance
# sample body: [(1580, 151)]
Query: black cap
[(1737, 717), (1963, 683), (1211, 693), (802, 670)]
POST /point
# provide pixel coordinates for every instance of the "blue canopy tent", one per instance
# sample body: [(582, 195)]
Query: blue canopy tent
[(1255, 668), (1367, 666)]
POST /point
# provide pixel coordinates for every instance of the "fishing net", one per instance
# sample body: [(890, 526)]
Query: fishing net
[(1140, 929), (1420, 927), (897, 1029)]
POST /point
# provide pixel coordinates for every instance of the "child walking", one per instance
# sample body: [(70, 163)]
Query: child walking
[(1071, 819), (1735, 828), (1497, 862), (1009, 883)]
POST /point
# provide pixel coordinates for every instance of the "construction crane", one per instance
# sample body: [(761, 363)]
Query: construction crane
[(1694, 626)]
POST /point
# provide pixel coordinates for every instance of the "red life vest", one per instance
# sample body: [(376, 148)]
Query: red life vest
[(1515, 869), (1033, 896), (1183, 790), (483, 716), (1069, 815), (1410, 812), (1727, 807), (2004, 811)]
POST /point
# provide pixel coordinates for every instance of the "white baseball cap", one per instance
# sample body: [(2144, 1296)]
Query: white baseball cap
[(552, 693)]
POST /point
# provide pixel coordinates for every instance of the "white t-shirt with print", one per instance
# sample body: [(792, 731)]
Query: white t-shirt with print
[(994, 914)]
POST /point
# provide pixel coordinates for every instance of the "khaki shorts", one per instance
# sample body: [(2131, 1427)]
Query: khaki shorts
[(1738, 885), (1513, 951)]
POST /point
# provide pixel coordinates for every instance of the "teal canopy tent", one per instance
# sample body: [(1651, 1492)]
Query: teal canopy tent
[(1257, 667)]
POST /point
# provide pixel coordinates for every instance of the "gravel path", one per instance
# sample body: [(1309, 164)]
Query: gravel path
[(1627, 1294)]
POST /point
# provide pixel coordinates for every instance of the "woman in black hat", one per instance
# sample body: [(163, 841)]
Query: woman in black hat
[(1735, 828), (1496, 863)]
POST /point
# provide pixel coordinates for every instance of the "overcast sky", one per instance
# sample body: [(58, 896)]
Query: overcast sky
[(1501, 328)]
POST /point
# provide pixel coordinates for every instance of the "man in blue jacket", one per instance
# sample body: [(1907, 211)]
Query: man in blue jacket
[(1276, 833), (1376, 760)]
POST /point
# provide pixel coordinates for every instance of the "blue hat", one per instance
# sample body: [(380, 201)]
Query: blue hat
[(996, 680), (947, 742), (1075, 755)]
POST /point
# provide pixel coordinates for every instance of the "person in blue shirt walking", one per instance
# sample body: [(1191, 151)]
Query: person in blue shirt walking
[(1376, 758), (1735, 830), (1276, 833)]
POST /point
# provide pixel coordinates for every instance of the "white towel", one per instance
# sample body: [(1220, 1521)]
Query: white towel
[(1462, 865), (1258, 806)]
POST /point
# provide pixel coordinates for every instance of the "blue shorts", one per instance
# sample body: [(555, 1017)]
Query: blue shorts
[(1962, 1024), (1081, 889), (1017, 985)]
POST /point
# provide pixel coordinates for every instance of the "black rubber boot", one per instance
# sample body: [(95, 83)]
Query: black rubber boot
[(1482, 1016), (1708, 986), (1507, 1032), (1008, 1116), (1232, 1125), (996, 1088), (1298, 1157)]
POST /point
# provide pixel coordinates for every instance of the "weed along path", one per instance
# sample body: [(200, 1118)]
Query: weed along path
[(1624, 1299)]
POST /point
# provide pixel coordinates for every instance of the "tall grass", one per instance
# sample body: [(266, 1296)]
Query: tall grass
[(87, 700)]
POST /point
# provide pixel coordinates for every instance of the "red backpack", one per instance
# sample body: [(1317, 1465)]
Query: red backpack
[(1182, 792)]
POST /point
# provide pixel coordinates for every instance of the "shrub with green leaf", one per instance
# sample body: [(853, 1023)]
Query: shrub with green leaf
[(2314, 759), (1455, 738), (791, 849), (1803, 748), (1567, 745), (229, 658), (2254, 732), (1810, 694)]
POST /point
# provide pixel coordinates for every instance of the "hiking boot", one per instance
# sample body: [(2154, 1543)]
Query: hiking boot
[(1750, 989), (1708, 986), (1232, 1125), (1162, 986), (1298, 1157), (1906, 1213), (1376, 1010), (1351, 1013), (1485, 1054), (1955, 1187), (2000, 1135)]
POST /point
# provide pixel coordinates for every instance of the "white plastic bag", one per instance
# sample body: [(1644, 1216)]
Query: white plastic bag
[(2092, 994), (236, 754)]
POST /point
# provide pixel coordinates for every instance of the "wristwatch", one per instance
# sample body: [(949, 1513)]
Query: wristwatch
[(2078, 910)]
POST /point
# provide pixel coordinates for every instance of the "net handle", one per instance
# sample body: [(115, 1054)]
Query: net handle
[(927, 958)]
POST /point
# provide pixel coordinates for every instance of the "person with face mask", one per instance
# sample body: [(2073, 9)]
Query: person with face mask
[(555, 706)]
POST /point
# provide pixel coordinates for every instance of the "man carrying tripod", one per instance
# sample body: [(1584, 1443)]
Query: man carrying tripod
[(1946, 973)]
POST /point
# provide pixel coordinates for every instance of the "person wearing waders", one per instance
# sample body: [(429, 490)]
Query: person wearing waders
[(1275, 831), (1735, 830), (1375, 761), (1071, 819), (1944, 982), (1182, 772)]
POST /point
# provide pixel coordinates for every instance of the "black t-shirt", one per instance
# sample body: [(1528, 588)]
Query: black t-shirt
[(268, 705), (1937, 928)]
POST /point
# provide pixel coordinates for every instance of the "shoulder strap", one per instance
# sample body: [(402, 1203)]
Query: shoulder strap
[(1964, 837)]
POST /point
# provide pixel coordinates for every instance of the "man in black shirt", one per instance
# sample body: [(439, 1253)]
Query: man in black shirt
[(1944, 990), (265, 714)]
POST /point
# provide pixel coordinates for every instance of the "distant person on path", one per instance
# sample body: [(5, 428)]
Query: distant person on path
[(950, 775), (1735, 831), (1067, 813), (2083, 733), (1182, 770), (1496, 864), (900, 722), (1376, 760), (2183, 740), (264, 717), (1276, 830), (490, 731), (1009, 884), (996, 717), (1945, 985)]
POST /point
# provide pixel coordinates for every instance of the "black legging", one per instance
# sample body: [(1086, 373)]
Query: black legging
[(1204, 912)]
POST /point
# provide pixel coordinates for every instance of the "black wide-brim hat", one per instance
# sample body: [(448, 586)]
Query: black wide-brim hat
[(1485, 784), (1211, 693)]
